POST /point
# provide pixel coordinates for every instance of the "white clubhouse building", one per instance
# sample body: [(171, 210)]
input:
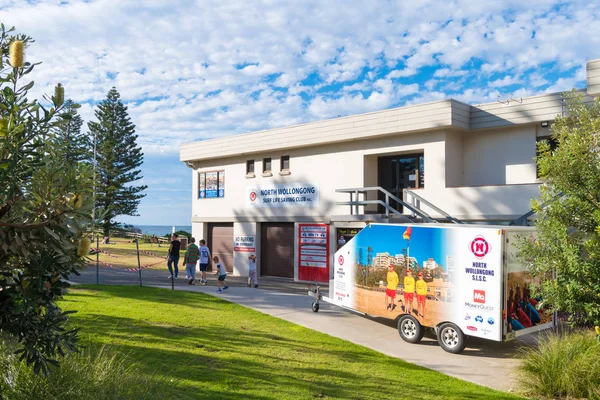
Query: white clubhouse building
[(284, 194)]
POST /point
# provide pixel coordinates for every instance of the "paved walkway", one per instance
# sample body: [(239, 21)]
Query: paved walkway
[(483, 362)]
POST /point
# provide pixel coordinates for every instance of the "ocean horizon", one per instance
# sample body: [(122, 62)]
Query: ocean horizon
[(161, 230)]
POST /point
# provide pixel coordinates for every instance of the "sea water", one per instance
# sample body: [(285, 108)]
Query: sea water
[(161, 230)]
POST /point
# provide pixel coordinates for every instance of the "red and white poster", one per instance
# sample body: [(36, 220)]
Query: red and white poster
[(313, 252)]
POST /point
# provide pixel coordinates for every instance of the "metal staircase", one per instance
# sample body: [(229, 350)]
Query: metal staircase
[(391, 204)]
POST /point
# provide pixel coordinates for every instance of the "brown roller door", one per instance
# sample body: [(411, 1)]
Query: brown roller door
[(277, 249), (220, 243)]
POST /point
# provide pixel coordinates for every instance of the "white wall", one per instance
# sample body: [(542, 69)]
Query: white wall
[(454, 159), (499, 157), (347, 165)]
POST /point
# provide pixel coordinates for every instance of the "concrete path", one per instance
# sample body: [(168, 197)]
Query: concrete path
[(483, 362)]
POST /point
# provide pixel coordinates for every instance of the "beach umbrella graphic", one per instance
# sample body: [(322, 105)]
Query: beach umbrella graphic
[(406, 236)]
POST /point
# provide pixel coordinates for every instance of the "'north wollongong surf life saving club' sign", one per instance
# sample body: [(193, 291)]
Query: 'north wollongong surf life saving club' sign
[(283, 195)]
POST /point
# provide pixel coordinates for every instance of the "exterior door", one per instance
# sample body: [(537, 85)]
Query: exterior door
[(220, 243), (400, 172), (277, 249)]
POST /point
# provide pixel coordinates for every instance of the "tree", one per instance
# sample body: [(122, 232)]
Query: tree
[(118, 159), (67, 138), (568, 224), (45, 207)]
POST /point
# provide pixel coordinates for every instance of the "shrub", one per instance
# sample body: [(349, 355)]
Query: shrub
[(96, 375), (566, 365)]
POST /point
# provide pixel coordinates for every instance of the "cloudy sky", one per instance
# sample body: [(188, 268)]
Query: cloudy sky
[(192, 70)]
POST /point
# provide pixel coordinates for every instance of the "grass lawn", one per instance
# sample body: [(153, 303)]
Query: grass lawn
[(121, 254), (214, 349)]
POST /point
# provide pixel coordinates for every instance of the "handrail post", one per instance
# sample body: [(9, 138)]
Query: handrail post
[(387, 203), (351, 201), (356, 193)]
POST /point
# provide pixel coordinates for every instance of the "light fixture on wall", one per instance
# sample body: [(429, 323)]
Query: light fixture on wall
[(544, 124), (189, 164)]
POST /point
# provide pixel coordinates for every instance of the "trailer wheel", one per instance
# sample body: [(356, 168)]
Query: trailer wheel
[(451, 338), (410, 329), (315, 306)]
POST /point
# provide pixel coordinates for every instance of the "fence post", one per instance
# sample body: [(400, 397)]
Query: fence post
[(97, 259), (137, 246)]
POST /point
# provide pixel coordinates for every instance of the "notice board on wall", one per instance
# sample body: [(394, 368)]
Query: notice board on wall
[(313, 252)]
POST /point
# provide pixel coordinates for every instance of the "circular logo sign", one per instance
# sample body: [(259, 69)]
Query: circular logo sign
[(253, 196), (341, 260), (480, 247)]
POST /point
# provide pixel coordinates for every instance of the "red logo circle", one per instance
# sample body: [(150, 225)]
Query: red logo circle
[(480, 247), (253, 196), (341, 260)]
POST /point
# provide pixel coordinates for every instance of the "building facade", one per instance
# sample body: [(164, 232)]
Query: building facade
[(285, 194)]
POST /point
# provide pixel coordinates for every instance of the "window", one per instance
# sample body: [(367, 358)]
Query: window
[(551, 142), (211, 184), (266, 166), (250, 168), (285, 163)]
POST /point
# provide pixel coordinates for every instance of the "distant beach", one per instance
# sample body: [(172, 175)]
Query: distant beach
[(161, 230)]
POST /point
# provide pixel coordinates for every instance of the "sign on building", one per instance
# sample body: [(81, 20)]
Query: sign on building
[(281, 195), (244, 243), (313, 252)]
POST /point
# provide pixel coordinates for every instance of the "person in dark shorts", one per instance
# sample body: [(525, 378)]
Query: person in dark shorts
[(204, 260), (222, 274), (173, 255)]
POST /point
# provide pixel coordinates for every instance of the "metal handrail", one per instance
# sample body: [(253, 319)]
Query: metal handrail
[(388, 196), (432, 206), (525, 217), (387, 207)]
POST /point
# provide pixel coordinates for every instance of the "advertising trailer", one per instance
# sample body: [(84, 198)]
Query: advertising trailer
[(460, 280)]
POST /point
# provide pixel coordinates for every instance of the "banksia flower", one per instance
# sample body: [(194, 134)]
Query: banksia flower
[(16, 53), (76, 201), (59, 95), (3, 127), (84, 247)]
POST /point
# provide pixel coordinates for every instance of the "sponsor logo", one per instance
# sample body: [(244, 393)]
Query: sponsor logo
[(486, 331), (491, 321), (479, 247), (253, 196), (341, 260), (479, 296), (478, 307), (479, 319), (472, 328), (467, 317)]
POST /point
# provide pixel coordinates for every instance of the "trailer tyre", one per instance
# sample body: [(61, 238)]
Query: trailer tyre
[(315, 306), (451, 338), (410, 329)]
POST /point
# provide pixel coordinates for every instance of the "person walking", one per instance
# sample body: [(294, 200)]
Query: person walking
[(252, 271), (204, 260), (222, 273), (173, 255), (192, 254)]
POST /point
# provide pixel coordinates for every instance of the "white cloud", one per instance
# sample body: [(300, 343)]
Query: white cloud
[(506, 81), (193, 70)]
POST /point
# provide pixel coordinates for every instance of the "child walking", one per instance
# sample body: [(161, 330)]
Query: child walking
[(222, 273), (252, 271)]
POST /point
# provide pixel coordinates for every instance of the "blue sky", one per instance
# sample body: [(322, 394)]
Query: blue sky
[(194, 70)]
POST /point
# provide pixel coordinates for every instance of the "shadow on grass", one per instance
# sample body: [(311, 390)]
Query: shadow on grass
[(219, 350)]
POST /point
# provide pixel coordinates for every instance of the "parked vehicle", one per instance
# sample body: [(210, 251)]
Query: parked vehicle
[(483, 291)]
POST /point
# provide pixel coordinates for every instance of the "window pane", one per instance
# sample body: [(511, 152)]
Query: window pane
[(250, 167), (201, 185), (285, 162), (221, 184), (267, 165)]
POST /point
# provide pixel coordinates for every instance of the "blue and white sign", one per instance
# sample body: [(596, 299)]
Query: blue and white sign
[(283, 195)]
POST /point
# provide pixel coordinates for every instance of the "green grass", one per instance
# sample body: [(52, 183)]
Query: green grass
[(563, 365), (214, 349)]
